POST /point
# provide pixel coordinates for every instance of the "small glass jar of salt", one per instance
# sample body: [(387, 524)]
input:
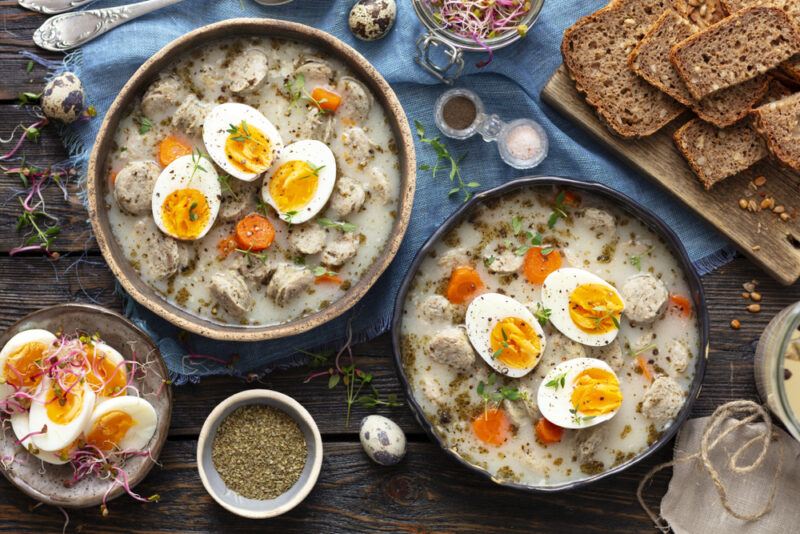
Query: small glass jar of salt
[(522, 143)]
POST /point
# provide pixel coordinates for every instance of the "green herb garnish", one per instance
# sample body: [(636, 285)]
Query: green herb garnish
[(145, 125), (542, 314), (443, 156), (340, 225), (559, 210), (557, 382)]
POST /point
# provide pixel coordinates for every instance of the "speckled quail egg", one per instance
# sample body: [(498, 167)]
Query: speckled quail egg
[(505, 333), (301, 181), (371, 20), (63, 98), (383, 440), (186, 198), (580, 392), (241, 140), (583, 306)]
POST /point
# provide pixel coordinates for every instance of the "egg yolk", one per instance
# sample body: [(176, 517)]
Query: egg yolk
[(22, 366), (109, 430), (595, 308), (596, 392), (248, 149), (515, 343), (103, 371), (185, 213), (293, 185), (62, 408)]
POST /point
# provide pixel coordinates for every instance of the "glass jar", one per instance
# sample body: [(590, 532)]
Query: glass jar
[(453, 45), (777, 367)]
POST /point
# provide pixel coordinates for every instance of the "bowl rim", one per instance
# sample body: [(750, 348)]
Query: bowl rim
[(161, 436), (621, 201), (265, 27), (248, 397)]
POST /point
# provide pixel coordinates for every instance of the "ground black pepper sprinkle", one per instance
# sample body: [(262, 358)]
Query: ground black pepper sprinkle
[(459, 112), (259, 452)]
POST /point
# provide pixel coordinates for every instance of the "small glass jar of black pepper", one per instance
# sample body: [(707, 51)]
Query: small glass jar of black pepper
[(457, 112)]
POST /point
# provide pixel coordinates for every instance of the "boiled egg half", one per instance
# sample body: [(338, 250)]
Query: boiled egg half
[(61, 413), (580, 392), (20, 358), (241, 140), (583, 306), (108, 374), (21, 428), (301, 181), (505, 333), (123, 423), (186, 198)]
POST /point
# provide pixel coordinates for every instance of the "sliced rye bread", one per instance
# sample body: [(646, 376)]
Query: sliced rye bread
[(717, 153), (792, 8), (595, 51), (703, 13), (779, 123), (736, 49), (650, 60)]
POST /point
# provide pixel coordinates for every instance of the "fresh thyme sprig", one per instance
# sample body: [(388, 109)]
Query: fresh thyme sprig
[(636, 260), (295, 87), (319, 270), (542, 314), (240, 133), (445, 158), (635, 352), (557, 382), (559, 210), (197, 160), (339, 225), (145, 124), (498, 395)]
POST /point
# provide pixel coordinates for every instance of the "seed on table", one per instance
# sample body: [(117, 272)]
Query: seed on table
[(784, 217), (743, 203), (751, 205), (756, 296), (760, 180), (745, 295), (778, 209), (749, 286), (767, 203), (754, 308), (735, 324)]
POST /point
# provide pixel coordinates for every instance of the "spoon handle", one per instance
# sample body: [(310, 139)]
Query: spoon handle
[(52, 7), (70, 30)]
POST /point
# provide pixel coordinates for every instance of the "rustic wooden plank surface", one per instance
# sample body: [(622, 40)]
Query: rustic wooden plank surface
[(426, 493), (763, 237)]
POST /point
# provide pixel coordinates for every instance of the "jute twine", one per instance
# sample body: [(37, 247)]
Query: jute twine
[(749, 412)]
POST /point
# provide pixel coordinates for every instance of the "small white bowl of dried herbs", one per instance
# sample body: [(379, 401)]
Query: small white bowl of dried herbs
[(259, 453)]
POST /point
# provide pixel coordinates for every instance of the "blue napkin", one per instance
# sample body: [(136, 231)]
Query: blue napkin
[(509, 86)]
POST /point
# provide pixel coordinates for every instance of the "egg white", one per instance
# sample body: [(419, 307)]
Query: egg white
[(215, 133), (555, 402), (143, 414), (21, 428), (181, 174), (13, 344), (483, 313), (58, 436), (317, 154), (556, 290), (114, 357)]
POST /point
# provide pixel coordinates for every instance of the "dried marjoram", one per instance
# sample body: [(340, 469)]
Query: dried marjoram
[(259, 452)]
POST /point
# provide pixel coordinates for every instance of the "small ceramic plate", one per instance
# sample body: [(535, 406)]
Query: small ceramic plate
[(45, 482), (252, 508)]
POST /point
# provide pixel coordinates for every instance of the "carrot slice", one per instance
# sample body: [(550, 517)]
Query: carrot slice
[(328, 279), (112, 178), (465, 283), (681, 304), (572, 199), (327, 100), (537, 265), (642, 363), (171, 148), (254, 232), (491, 426), (226, 246), (547, 432)]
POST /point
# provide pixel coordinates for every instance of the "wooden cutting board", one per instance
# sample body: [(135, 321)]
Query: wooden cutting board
[(762, 236)]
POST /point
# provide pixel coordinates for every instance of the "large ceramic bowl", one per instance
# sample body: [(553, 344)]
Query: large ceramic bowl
[(47, 484), (619, 200), (97, 186)]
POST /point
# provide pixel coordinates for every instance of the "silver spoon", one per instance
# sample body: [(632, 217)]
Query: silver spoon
[(51, 7), (70, 30)]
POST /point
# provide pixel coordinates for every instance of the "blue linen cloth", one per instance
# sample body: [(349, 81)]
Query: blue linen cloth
[(509, 86)]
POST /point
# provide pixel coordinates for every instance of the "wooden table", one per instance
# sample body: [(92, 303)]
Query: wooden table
[(426, 492)]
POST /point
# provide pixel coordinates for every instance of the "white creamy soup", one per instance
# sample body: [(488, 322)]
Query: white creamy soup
[(482, 352), (254, 182)]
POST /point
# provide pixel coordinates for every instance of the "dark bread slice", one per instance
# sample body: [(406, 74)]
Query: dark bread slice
[(736, 49), (703, 13), (717, 153), (595, 51), (650, 60), (779, 123)]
